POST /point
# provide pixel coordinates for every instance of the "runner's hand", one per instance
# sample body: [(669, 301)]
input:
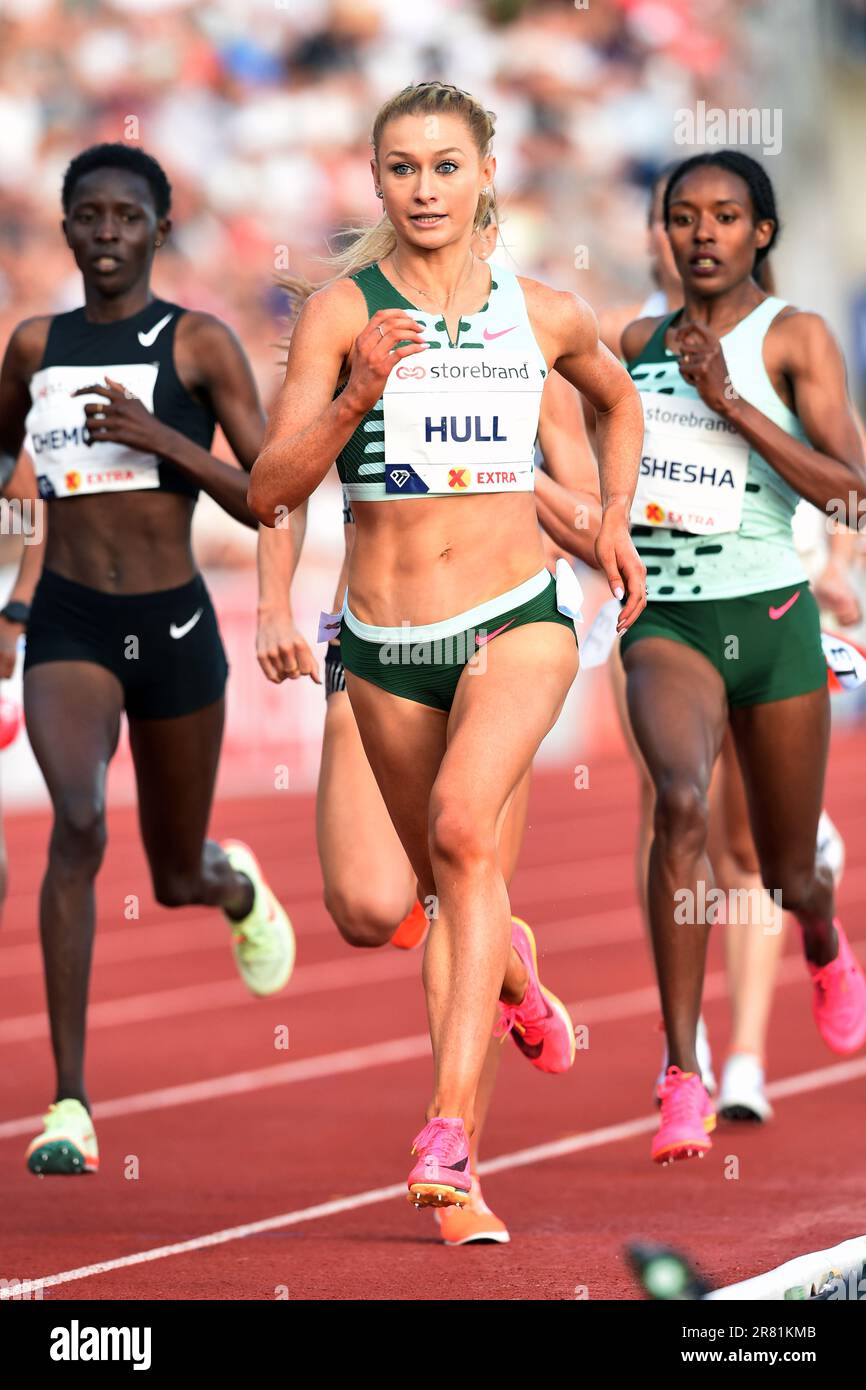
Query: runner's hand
[(121, 418), (282, 652), (9, 634), (834, 591), (702, 364), (376, 352), (623, 567)]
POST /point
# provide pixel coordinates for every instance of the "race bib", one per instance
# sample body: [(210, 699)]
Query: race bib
[(457, 420), (66, 465), (693, 468)]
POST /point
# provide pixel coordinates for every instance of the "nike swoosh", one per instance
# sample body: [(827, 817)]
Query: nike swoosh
[(149, 338), (780, 612), (482, 641), (187, 627), (490, 336)]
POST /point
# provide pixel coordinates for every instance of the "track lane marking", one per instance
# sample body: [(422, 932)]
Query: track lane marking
[(818, 1079), (606, 1009)]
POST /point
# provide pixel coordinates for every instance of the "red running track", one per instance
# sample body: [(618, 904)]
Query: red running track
[(226, 1129)]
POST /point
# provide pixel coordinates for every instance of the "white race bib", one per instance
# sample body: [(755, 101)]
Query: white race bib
[(693, 468), (66, 465), (460, 420)]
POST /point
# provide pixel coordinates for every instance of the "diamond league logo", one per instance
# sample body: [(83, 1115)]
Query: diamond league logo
[(400, 476)]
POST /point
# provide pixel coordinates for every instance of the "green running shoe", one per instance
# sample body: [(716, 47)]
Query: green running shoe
[(263, 942), (67, 1144)]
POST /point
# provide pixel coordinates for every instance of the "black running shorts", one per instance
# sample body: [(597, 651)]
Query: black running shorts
[(164, 648)]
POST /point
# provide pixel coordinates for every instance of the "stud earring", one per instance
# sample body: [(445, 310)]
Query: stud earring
[(379, 193)]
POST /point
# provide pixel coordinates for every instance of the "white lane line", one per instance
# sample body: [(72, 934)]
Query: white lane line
[(520, 1158), (242, 1082), (606, 1009), (354, 971), (382, 967)]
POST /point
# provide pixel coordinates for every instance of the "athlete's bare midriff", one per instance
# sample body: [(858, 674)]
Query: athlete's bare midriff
[(122, 543), (421, 560)]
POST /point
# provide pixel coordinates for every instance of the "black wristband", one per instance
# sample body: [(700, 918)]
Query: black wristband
[(16, 612)]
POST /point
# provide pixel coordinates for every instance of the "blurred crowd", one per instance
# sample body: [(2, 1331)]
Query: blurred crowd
[(260, 111)]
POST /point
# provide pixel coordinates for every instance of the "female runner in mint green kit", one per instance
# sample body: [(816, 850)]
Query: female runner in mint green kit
[(746, 410), (431, 413)]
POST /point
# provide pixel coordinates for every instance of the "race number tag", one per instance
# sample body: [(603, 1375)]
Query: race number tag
[(459, 420), (66, 465), (693, 468)]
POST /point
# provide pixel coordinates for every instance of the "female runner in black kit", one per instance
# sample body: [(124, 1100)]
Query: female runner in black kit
[(121, 618)]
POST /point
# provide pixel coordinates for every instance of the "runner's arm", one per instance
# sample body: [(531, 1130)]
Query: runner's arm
[(227, 378), (307, 427), (569, 333), (566, 489), (833, 468)]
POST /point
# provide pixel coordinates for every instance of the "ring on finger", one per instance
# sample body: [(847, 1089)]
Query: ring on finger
[(130, 395), (381, 333)]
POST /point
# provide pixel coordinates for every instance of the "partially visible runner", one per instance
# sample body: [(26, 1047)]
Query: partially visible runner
[(119, 401), (450, 718), (752, 948), (369, 884), (731, 633), (18, 487)]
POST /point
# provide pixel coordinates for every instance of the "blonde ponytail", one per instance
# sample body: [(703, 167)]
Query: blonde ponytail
[(367, 245)]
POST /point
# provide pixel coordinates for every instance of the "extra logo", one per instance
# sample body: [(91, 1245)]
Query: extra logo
[(406, 370), (458, 477), (73, 481), (655, 514)]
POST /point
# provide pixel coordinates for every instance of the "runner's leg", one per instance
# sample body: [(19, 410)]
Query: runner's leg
[(175, 766), (467, 963), (753, 943), (72, 709), (678, 710), (370, 885), (782, 747)]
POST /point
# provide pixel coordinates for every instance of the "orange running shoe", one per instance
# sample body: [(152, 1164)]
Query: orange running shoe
[(473, 1224), (413, 930)]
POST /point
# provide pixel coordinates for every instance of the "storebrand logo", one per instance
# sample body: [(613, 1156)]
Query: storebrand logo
[(76, 1343), (413, 372)]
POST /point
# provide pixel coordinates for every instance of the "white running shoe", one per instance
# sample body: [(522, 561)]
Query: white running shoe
[(264, 941), (831, 847), (743, 1095), (705, 1061)]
